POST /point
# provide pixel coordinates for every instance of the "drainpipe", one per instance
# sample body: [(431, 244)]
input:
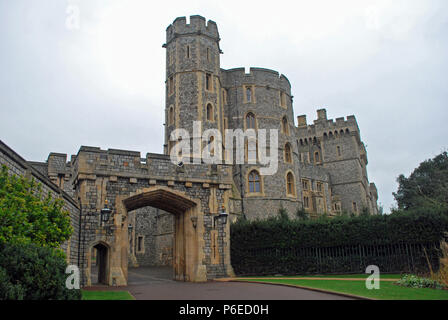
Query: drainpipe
[(79, 231), (241, 125)]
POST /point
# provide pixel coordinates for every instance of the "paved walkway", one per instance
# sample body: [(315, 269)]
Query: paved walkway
[(156, 284)]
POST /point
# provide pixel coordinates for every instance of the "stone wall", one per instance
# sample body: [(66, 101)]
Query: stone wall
[(156, 228), (19, 166)]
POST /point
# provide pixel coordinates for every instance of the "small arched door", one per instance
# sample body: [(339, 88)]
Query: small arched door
[(99, 264)]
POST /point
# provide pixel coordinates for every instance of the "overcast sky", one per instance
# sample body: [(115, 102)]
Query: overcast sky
[(102, 84)]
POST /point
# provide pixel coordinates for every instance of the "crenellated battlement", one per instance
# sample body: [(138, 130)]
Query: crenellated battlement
[(322, 125), (93, 161), (258, 76), (197, 25)]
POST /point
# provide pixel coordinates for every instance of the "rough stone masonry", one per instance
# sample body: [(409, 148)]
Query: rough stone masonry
[(164, 213)]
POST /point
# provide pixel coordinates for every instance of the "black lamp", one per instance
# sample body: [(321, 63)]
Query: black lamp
[(222, 217), (105, 213)]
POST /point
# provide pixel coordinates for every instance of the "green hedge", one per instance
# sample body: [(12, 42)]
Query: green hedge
[(30, 272), (342, 244)]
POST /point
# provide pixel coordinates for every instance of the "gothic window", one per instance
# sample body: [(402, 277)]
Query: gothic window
[(316, 157), (337, 206), (290, 186), (250, 121), (288, 157), (339, 151), (140, 244), (305, 184), (254, 181), (355, 207), (319, 186), (252, 154), (285, 127), (210, 112), (211, 143), (306, 202)]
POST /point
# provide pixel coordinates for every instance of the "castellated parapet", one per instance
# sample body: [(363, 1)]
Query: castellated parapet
[(258, 76), (198, 25)]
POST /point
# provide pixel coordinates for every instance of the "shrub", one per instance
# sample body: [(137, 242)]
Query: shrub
[(412, 281), (30, 272), (28, 215)]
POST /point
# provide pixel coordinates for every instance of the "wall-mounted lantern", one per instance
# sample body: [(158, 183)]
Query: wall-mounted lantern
[(105, 213), (221, 217)]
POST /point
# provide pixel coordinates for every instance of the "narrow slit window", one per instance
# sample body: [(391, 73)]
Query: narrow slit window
[(171, 116), (210, 112), (290, 187), (288, 157), (171, 85), (249, 94), (208, 82)]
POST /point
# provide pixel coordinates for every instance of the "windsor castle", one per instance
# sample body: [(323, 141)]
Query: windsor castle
[(162, 212)]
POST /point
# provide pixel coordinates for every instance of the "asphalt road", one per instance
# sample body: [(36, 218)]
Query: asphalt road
[(156, 284)]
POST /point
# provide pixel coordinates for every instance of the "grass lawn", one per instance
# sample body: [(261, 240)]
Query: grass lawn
[(360, 276), (387, 291), (106, 295)]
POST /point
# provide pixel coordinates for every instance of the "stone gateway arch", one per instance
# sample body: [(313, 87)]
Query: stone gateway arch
[(193, 194)]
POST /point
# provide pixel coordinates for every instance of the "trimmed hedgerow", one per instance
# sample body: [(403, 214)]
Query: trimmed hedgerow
[(302, 246)]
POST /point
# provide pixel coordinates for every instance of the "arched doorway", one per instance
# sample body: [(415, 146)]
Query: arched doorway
[(99, 264), (188, 242)]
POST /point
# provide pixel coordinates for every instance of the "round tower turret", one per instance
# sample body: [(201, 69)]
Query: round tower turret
[(192, 76)]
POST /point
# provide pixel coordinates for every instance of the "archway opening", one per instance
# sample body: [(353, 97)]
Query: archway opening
[(161, 241)]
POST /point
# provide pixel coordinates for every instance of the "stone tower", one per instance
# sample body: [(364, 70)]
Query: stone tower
[(337, 147), (192, 76)]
